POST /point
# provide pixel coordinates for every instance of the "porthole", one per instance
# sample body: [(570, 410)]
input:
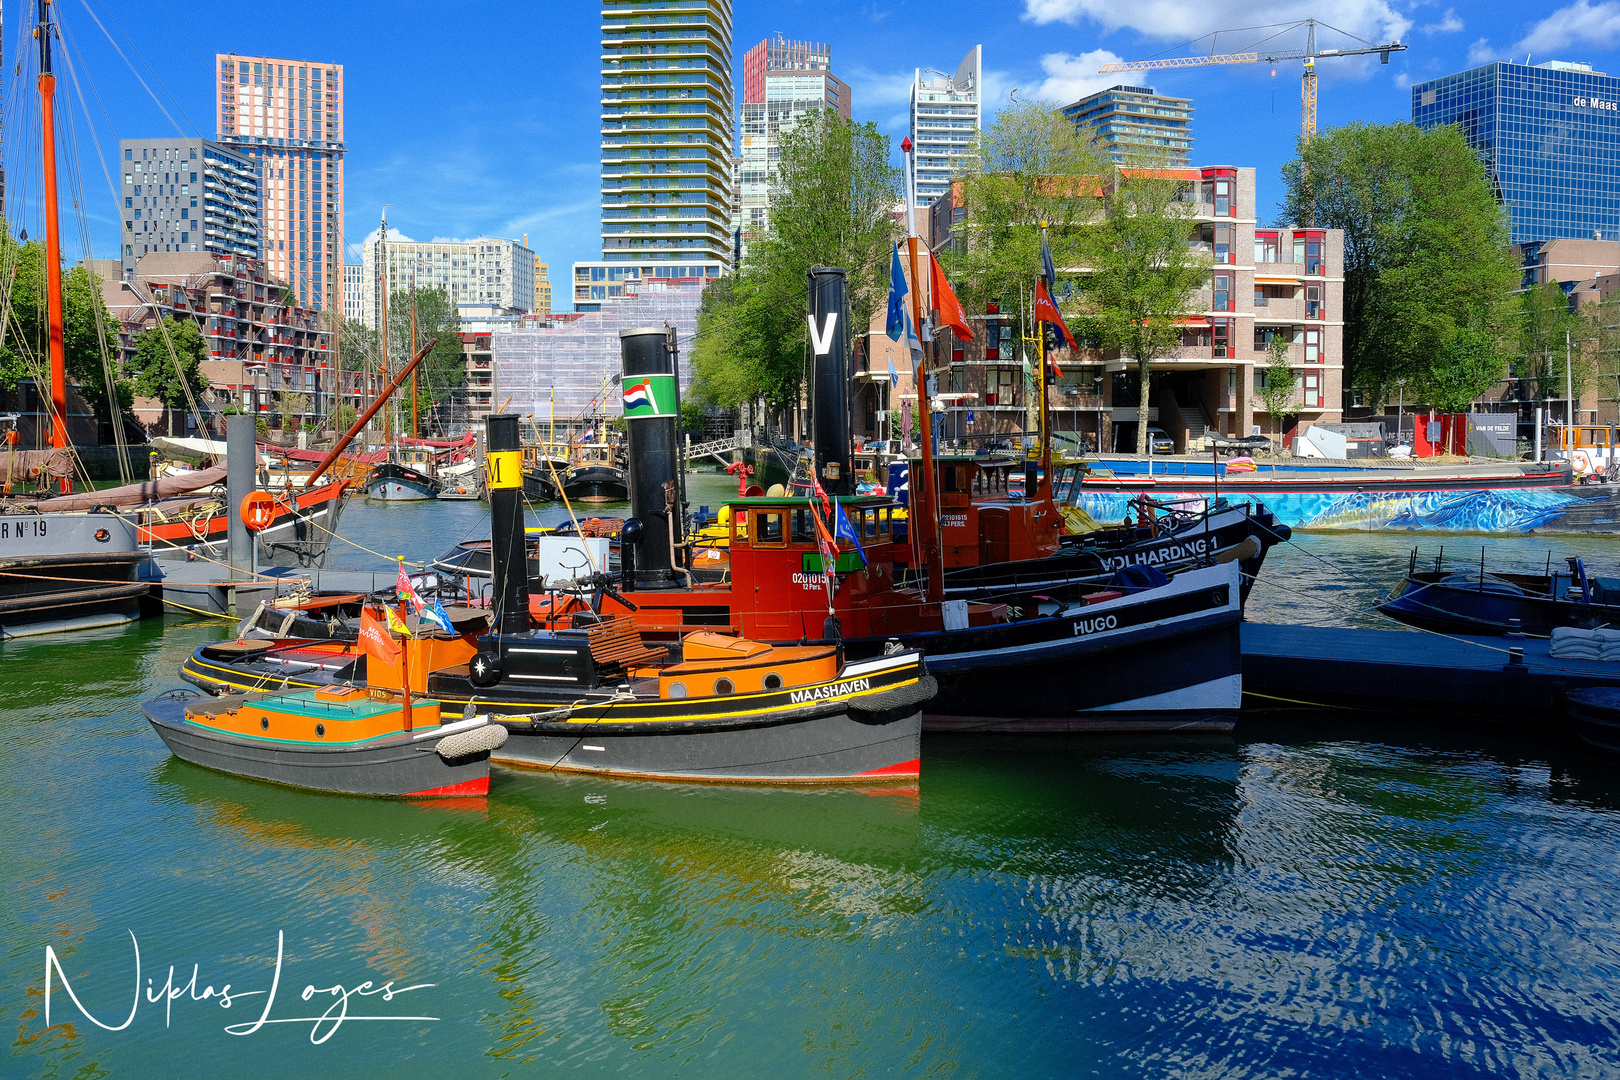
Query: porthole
[(723, 686), (264, 723), (320, 731), (677, 690), (773, 681)]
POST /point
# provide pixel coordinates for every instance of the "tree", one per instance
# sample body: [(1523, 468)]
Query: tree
[(1545, 318), (1144, 272), (1031, 166), (1277, 393), (343, 417), (444, 369), (24, 345), (831, 199), (168, 364), (291, 407), (1429, 272)]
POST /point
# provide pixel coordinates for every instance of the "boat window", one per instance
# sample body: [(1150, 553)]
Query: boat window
[(871, 517), (883, 520), (768, 528), (955, 478), (804, 530)]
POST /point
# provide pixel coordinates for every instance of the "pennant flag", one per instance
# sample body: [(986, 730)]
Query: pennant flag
[(894, 378), (436, 614), (1048, 271), (374, 642), (1047, 312), (945, 302), (897, 299), (407, 594), (397, 624), (819, 492), (845, 530)]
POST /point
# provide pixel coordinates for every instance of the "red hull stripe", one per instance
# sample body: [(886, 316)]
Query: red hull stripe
[(905, 768), (466, 787)]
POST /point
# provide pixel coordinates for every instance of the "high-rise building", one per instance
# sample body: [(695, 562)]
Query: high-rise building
[(488, 271), (288, 116), (1134, 123), (595, 282), (667, 108), (542, 288), (944, 124), (1549, 136), (187, 195), (354, 277), (782, 81)]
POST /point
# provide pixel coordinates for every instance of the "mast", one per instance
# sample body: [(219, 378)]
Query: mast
[(53, 238), (415, 434), (382, 271), (924, 515), (1041, 383)]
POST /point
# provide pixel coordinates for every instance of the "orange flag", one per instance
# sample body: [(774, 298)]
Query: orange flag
[(946, 303), (1047, 312)]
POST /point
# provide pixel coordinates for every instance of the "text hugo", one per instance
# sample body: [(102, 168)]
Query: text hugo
[(323, 1027)]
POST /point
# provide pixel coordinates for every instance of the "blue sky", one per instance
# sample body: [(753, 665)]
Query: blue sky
[(482, 118)]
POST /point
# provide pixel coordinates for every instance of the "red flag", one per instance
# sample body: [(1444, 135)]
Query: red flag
[(946, 303), (1047, 312)]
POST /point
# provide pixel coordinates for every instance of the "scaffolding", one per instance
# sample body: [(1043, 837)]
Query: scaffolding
[(565, 367)]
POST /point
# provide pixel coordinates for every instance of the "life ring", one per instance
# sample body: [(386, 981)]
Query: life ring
[(1581, 462)]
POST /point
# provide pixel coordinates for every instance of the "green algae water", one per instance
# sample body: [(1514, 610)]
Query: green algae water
[(1321, 894)]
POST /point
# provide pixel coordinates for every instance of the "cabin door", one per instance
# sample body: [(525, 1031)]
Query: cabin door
[(993, 545)]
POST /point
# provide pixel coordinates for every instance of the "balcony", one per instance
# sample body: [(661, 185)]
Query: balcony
[(1279, 309)]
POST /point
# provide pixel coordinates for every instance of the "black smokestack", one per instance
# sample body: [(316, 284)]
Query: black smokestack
[(829, 341), (652, 413), (503, 473)]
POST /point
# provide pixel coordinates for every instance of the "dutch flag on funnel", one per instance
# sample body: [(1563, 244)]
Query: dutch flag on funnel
[(638, 396)]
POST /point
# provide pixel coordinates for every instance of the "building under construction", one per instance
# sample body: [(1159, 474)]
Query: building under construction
[(569, 371)]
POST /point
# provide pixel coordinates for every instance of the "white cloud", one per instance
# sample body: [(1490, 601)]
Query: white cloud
[(1176, 20), (1481, 52), (1448, 24), (1069, 78), (1403, 81), (1580, 23), (871, 88)]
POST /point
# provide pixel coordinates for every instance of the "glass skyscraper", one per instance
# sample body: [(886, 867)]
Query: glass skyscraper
[(1550, 136)]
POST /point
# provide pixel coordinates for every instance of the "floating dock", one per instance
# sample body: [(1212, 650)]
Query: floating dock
[(1496, 678)]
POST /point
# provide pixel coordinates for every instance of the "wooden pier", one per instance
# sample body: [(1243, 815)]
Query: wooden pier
[(1418, 673)]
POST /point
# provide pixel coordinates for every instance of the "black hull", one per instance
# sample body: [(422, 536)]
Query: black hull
[(1595, 714), (1455, 609), (300, 541), (389, 482), (538, 485), (398, 766), (596, 483), (62, 588), (1170, 659)]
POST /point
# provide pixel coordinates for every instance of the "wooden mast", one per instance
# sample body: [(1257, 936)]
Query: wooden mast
[(53, 238), (415, 413), (924, 513), (382, 272)]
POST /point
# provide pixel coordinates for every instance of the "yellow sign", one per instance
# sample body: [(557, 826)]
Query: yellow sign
[(503, 469)]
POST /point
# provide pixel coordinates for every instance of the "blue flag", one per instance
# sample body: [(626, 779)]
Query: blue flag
[(844, 530), (1048, 271), (896, 327), (435, 613), (894, 377)]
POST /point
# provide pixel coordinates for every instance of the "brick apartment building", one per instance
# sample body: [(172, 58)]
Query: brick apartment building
[(1263, 282)]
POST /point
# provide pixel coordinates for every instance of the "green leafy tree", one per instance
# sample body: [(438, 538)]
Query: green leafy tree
[(1031, 167), (291, 407), (444, 369), (343, 418), (1429, 273), (1277, 395), (830, 206), (89, 356), (168, 364), (1544, 321), (1144, 272), (693, 417)]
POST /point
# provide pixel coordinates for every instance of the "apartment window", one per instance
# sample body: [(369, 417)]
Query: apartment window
[(1221, 337), (1313, 302), (128, 201), (1313, 346), (1265, 247), (128, 155), (1223, 292), (1312, 385)]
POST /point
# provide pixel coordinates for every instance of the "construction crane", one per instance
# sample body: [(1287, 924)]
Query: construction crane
[(1310, 54)]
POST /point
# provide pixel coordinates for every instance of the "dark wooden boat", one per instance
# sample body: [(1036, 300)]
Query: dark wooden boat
[(341, 739), (1467, 599), (1594, 711), (595, 475), (395, 481)]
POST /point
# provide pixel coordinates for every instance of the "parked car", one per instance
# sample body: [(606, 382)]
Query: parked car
[(1160, 441)]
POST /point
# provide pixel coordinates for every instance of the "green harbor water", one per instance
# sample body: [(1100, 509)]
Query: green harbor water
[(1319, 894)]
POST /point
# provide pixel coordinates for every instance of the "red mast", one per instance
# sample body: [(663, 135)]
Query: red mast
[(53, 237)]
